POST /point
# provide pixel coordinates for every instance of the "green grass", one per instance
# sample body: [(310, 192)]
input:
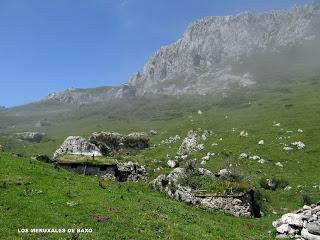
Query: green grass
[(143, 213), (135, 210)]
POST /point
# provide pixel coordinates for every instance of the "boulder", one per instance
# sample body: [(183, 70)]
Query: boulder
[(292, 219), (176, 174), (313, 227), (300, 145), (78, 146), (111, 141), (171, 163), (188, 144), (307, 235), (153, 132)]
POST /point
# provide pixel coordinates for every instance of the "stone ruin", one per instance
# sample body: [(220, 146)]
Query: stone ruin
[(122, 172), (236, 205), (303, 224)]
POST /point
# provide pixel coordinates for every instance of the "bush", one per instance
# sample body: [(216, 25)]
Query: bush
[(306, 200), (273, 183)]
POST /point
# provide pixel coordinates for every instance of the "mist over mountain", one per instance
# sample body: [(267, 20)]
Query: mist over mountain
[(220, 52)]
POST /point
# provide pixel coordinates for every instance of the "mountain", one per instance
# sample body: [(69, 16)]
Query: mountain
[(208, 55), (216, 53)]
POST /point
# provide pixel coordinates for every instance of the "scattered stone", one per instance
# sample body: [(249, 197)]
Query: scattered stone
[(279, 164), (300, 145), (244, 134), (171, 163), (261, 142), (243, 156), (255, 157), (205, 172), (275, 124), (199, 112), (286, 148), (199, 147), (288, 188), (153, 132), (171, 140), (300, 130), (31, 136), (262, 161), (206, 133), (188, 144)]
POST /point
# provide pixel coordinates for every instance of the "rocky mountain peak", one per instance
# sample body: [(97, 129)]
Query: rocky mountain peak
[(202, 59)]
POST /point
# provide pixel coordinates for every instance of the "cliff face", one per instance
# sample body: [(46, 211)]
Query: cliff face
[(210, 53), (202, 60)]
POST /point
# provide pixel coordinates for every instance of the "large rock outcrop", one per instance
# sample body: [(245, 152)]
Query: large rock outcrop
[(109, 142), (77, 146)]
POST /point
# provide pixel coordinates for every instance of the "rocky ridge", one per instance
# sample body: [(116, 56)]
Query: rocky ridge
[(208, 55)]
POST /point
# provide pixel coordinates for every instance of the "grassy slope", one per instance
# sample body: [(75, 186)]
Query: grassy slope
[(294, 106), (135, 211)]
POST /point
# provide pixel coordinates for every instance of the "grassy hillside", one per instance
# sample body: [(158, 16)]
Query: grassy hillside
[(36, 195), (136, 211)]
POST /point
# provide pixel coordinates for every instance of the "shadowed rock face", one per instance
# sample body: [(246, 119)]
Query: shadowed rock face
[(110, 142)]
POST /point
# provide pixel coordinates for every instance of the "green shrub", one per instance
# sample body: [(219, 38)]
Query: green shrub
[(273, 183)]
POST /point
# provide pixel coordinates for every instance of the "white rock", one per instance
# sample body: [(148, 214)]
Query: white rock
[(284, 228), (275, 124), (255, 158), (203, 162), (287, 148), (77, 146), (243, 156), (199, 112), (300, 130), (244, 134), (292, 219), (300, 145), (305, 234), (262, 161), (279, 164), (171, 163), (261, 142)]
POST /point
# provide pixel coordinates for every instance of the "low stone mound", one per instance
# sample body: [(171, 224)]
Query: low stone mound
[(31, 136), (78, 146), (236, 205), (109, 142), (303, 224)]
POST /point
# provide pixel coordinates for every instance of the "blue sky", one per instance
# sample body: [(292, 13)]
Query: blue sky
[(47, 46)]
